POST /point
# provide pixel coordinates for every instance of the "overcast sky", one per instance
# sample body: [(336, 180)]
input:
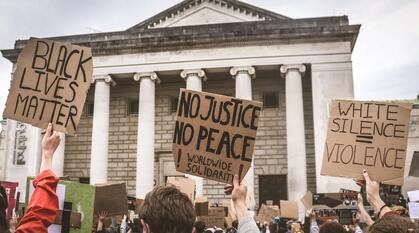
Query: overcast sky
[(385, 59)]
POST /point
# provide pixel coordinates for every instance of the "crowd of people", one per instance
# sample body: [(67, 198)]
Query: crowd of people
[(168, 210)]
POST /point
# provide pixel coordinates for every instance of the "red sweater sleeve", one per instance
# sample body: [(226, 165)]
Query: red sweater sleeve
[(43, 206)]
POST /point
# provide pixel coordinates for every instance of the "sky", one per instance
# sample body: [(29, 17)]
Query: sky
[(385, 58)]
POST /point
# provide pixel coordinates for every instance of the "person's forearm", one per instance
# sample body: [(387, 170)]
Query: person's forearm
[(378, 204), (46, 162), (43, 205), (241, 210), (99, 225), (365, 216), (246, 223)]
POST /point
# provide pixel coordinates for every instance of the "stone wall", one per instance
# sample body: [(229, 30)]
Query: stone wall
[(270, 148)]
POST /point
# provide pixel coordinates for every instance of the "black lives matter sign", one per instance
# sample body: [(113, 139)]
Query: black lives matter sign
[(367, 135), (214, 135), (50, 84)]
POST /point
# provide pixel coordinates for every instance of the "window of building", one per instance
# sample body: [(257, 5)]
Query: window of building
[(173, 103), (270, 100), (84, 180), (90, 107), (272, 188), (132, 107)]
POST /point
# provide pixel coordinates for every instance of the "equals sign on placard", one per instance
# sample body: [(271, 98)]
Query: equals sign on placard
[(364, 139)]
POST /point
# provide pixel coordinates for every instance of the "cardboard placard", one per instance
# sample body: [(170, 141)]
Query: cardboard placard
[(81, 195), (367, 135), (307, 200), (328, 199), (267, 213), (50, 84), (111, 198), (215, 217), (87, 201), (75, 219), (414, 165), (289, 209), (184, 184), (201, 206), (214, 135)]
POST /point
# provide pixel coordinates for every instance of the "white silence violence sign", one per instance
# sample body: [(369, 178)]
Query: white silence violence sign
[(367, 135)]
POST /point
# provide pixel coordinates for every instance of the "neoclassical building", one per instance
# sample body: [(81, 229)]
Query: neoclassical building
[(294, 66)]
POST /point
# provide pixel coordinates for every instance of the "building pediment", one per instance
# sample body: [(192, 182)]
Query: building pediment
[(203, 12)]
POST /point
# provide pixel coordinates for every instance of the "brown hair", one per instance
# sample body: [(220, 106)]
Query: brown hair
[(332, 227), (393, 224), (167, 210)]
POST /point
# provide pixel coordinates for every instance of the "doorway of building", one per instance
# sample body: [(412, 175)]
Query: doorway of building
[(272, 187)]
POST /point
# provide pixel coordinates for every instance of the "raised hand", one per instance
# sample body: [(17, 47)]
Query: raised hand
[(50, 144)]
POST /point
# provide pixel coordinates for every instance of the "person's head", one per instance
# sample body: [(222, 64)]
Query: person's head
[(332, 227), (167, 210), (392, 224), (199, 226)]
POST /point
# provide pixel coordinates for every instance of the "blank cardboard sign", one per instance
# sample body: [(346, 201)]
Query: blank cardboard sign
[(267, 213), (307, 200), (215, 217), (50, 84), (184, 184), (367, 135), (111, 198), (289, 209), (214, 135)]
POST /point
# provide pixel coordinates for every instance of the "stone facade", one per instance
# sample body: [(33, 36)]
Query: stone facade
[(270, 149), (188, 36)]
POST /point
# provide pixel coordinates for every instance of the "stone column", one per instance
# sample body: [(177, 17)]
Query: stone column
[(243, 76), (296, 144), (145, 139), (193, 80), (33, 150), (100, 131), (58, 161)]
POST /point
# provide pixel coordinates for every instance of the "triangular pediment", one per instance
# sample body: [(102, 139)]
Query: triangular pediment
[(202, 12)]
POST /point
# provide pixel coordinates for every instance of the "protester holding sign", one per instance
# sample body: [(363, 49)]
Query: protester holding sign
[(43, 206), (167, 209), (388, 221)]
